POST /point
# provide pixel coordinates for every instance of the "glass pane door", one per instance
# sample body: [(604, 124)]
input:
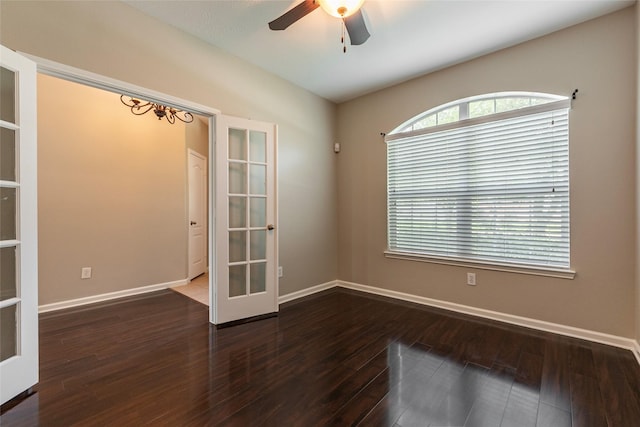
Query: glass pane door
[(9, 188), (18, 226), (246, 217)]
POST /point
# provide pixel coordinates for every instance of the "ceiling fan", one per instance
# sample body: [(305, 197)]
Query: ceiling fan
[(347, 10)]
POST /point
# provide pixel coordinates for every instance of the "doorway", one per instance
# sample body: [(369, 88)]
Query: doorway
[(256, 172), (232, 272), (113, 195)]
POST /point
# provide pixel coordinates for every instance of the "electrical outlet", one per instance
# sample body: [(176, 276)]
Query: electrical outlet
[(471, 279), (86, 273), (280, 272)]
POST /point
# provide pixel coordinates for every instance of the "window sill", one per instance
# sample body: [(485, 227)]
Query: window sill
[(559, 273)]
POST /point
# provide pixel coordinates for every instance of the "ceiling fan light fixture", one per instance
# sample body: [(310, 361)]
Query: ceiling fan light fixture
[(340, 8)]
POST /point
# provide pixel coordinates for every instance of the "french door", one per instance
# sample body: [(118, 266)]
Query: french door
[(18, 226), (246, 233)]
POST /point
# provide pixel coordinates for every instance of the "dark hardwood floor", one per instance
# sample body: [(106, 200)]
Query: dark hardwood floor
[(337, 358)]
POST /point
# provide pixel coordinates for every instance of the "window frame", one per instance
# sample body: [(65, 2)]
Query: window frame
[(553, 102)]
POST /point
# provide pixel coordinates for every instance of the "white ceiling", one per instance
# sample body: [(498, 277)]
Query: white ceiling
[(408, 37)]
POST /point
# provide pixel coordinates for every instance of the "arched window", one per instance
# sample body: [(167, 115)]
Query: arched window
[(483, 179)]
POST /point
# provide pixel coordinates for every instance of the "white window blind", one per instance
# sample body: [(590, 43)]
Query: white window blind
[(494, 189)]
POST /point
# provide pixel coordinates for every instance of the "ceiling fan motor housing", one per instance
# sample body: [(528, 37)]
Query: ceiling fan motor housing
[(341, 8), (347, 10)]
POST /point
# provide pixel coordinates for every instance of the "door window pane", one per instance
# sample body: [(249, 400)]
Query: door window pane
[(8, 332), (258, 213), (7, 95), (7, 154), (258, 146), (258, 246), (237, 178), (258, 277), (237, 144), (237, 280), (8, 282), (258, 179), (7, 213), (237, 246), (237, 212)]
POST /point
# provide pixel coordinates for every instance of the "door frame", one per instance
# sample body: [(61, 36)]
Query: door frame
[(87, 78), (193, 152)]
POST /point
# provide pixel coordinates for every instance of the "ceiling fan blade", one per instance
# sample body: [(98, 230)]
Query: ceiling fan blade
[(356, 28), (301, 10)]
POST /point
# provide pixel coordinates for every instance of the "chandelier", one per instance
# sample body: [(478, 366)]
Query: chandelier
[(139, 108)]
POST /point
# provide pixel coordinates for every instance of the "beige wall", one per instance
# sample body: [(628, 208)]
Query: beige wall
[(197, 135), (113, 39), (112, 194), (598, 57)]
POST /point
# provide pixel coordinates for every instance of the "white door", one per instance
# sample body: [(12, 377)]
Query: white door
[(245, 218), (18, 226), (197, 166)]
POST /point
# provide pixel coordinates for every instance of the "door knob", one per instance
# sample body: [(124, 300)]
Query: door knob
[(193, 223), (270, 227)]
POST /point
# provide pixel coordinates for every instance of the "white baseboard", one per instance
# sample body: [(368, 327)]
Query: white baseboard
[(636, 350), (555, 328), (108, 296), (306, 292), (541, 325), (571, 331)]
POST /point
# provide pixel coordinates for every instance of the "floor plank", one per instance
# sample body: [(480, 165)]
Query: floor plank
[(336, 358), (555, 389), (587, 408), (612, 379)]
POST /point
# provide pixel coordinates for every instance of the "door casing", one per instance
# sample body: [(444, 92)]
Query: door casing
[(77, 75), (88, 78)]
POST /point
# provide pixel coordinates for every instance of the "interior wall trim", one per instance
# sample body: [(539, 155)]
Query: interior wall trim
[(585, 334), (306, 292), (99, 81), (541, 325), (109, 296), (556, 328)]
